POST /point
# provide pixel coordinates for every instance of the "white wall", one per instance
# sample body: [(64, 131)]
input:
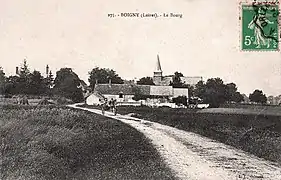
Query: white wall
[(125, 98), (92, 100), (180, 92)]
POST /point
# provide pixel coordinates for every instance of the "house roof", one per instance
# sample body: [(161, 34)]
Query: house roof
[(161, 90), (191, 80), (142, 89), (129, 89), (114, 89), (99, 95)]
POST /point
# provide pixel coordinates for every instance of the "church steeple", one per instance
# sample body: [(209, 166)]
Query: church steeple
[(158, 65), (157, 77)]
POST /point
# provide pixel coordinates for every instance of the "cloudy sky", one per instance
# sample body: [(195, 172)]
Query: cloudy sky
[(79, 34)]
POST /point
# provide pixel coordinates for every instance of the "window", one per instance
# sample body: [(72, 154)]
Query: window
[(120, 95)]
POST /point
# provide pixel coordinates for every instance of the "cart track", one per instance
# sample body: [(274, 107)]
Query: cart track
[(192, 156)]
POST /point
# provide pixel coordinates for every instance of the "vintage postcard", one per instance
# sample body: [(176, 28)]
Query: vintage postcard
[(140, 90)]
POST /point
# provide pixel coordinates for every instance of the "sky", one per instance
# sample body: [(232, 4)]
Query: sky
[(80, 35)]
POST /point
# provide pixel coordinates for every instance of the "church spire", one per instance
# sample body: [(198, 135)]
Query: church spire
[(157, 77), (158, 66)]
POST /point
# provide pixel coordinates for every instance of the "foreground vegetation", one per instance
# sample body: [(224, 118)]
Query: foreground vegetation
[(51, 142), (258, 134)]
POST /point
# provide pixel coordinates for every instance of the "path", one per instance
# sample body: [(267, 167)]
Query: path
[(192, 156)]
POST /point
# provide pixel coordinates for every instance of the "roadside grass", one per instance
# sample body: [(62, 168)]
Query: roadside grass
[(56, 142), (257, 134)]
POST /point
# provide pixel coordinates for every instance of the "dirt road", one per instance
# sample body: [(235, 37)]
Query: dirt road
[(193, 157)]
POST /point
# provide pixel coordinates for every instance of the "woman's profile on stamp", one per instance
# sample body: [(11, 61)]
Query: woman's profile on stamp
[(258, 22)]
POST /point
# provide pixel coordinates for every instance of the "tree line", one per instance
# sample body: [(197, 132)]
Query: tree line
[(25, 82), (214, 91), (67, 84)]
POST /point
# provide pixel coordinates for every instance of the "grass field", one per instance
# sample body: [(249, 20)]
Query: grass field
[(52, 142), (257, 134), (7, 101), (249, 109)]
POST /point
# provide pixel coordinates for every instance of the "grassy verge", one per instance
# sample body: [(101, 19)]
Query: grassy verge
[(257, 134), (53, 142)]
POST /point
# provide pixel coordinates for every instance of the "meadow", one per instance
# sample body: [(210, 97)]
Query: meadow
[(257, 132), (56, 142)]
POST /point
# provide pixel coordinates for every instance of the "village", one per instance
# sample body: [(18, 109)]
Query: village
[(159, 94)]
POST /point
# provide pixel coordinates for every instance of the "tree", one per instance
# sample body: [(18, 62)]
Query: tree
[(200, 89), (24, 70), (103, 75), (232, 94), (22, 82), (145, 81), (176, 83), (2, 81), (50, 79), (36, 84), (180, 100), (191, 90), (258, 97), (237, 97), (67, 85), (49, 83), (26, 82), (214, 92), (12, 85)]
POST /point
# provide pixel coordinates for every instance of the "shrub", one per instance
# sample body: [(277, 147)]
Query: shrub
[(181, 100)]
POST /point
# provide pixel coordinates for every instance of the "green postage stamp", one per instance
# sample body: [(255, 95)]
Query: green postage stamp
[(260, 29)]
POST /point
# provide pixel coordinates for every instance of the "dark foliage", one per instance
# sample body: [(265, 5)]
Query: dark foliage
[(215, 92), (181, 100), (26, 82), (145, 81), (67, 84), (2, 81), (103, 75), (258, 97), (176, 83)]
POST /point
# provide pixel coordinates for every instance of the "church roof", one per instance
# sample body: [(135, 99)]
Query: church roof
[(158, 65)]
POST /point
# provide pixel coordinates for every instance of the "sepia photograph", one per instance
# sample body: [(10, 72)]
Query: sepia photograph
[(140, 90)]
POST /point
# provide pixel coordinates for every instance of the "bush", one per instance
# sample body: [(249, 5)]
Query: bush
[(181, 100)]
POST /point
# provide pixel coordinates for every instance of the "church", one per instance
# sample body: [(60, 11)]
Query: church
[(160, 80)]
